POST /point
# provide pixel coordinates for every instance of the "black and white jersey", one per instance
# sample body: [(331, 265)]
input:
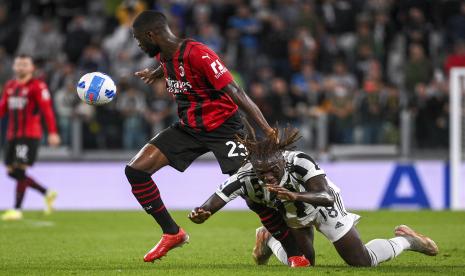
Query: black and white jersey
[(299, 168)]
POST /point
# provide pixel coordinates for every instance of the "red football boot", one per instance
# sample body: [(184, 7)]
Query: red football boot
[(167, 242), (298, 261)]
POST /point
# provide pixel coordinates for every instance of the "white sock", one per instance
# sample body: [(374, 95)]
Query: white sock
[(278, 250), (382, 250)]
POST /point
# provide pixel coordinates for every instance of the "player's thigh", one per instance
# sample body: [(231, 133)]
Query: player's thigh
[(10, 153), (173, 146), (149, 159), (352, 250), (223, 143), (338, 226)]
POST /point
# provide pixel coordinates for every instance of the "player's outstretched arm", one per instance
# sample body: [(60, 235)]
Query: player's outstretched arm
[(149, 76), (238, 95), (317, 193), (211, 206)]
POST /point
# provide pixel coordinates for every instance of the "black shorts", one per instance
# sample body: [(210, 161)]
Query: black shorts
[(182, 145), (21, 151)]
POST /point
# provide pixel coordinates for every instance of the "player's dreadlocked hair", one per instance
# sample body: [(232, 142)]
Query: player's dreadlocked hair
[(261, 149)]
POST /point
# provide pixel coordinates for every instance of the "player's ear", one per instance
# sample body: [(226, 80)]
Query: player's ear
[(150, 35)]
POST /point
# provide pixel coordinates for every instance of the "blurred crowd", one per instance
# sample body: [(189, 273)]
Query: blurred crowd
[(352, 64)]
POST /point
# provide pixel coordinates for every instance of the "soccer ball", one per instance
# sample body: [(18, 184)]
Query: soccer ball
[(96, 88)]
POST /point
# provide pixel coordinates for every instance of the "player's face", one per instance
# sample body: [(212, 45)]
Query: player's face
[(270, 170), (23, 67), (147, 44)]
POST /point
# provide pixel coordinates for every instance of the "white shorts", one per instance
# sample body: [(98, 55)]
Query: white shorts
[(334, 223)]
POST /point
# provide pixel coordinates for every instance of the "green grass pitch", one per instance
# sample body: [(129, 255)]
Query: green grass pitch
[(113, 243)]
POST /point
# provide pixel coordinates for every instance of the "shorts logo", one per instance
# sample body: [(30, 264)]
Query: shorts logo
[(338, 225), (21, 152)]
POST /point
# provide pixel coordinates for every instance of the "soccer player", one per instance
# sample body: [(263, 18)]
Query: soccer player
[(25, 99), (208, 100), (293, 183)]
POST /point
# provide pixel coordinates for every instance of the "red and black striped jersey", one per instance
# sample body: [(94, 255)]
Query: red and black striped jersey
[(195, 76), (24, 103)]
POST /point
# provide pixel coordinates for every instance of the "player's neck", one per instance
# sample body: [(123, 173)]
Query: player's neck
[(171, 46), (24, 80)]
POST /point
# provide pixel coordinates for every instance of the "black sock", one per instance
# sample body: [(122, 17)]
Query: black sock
[(21, 186), (36, 186), (148, 195), (273, 221), (275, 224)]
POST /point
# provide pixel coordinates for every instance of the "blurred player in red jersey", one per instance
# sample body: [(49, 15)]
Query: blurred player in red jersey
[(208, 100), (24, 99)]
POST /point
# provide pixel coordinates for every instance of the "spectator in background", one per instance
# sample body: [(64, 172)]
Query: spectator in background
[(209, 36), (456, 58), (309, 82), (5, 67), (93, 59), (247, 28), (47, 42), (370, 109), (456, 26), (10, 25), (424, 119), (260, 97), (65, 102), (340, 86), (418, 70), (302, 48), (417, 31), (132, 105), (160, 108), (281, 103), (274, 45), (77, 38), (390, 102)]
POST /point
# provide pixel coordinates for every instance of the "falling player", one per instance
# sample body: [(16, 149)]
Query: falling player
[(208, 100), (293, 183), (25, 99)]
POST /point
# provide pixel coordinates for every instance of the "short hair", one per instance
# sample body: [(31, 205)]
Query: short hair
[(23, 55), (150, 20)]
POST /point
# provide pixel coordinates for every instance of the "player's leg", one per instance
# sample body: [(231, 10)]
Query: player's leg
[(338, 226), (171, 147), (280, 236), (10, 162), (303, 237), (138, 172), (26, 155)]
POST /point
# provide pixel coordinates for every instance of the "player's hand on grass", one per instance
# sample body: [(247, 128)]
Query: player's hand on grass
[(199, 215), (54, 139), (149, 76), (282, 193)]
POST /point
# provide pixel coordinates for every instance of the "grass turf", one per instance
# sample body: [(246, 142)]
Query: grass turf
[(113, 243)]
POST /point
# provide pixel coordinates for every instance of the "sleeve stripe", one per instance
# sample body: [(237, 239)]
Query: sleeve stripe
[(223, 196), (231, 188), (300, 170)]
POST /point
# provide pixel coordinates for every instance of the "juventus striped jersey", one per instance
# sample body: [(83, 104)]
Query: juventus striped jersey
[(299, 168), (195, 76), (24, 104)]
